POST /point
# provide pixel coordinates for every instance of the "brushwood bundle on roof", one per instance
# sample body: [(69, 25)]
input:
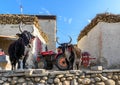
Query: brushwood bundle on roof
[(26, 19), (105, 17)]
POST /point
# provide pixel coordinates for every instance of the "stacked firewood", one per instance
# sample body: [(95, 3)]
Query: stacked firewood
[(16, 19), (106, 17)]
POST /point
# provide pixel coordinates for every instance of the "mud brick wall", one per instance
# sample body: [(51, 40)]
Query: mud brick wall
[(72, 77), (102, 42)]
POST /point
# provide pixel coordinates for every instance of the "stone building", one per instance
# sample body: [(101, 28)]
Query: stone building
[(101, 38)]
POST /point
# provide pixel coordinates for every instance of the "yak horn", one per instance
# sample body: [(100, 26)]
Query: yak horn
[(20, 28), (70, 40), (32, 30), (57, 41)]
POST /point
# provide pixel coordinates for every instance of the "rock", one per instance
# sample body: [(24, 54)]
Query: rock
[(45, 78), (118, 82), (30, 83), (9, 79), (60, 83), (28, 79), (109, 82), (87, 76), (52, 76), (63, 79), (13, 82), (86, 81), (97, 79), (100, 83), (39, 71), (59, 76), (74, 82), (41, 84), (94, 75), (18, 84), (24, 83), (96, 68), (15, 78), (55, 73), (76, 77), (80, 81), (50, 81), (33, 79), (109, 76), (75, 71), (92, 80), (28, 72), (69, 78), (37, 79), (119, 76), (56, 80), (104, 74), (92, 84), (4, 79), (82, 76), (21, 80), (1, 81), (66, 83), (69, 75), (42, 81), (115, 77), (6, 84), (102, 77)]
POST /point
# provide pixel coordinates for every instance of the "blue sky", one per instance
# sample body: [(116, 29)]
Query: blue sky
[(72, 15)]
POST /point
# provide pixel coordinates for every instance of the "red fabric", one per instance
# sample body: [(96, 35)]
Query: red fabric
[(2, 53), (38, 46)]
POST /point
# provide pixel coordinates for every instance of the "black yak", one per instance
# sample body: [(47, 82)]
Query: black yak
[(19, 49)]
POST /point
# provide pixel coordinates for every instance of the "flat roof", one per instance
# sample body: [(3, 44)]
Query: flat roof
[(46, 17), (103, 17)]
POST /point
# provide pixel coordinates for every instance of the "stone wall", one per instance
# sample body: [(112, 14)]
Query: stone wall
[(72, 77)]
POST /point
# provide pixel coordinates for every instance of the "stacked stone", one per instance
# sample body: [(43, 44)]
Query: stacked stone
[(72, 77)]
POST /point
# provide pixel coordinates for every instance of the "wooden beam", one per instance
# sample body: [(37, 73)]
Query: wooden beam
[(4, 36)]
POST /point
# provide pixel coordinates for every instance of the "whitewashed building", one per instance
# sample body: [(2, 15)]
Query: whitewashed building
[(48, 26), (9, 27), (101, 38)]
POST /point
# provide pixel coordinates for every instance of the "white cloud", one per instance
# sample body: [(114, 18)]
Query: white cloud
[(46, 11), (89, 20), (65, 19), (40, 12), (69, 20), (60, 17)]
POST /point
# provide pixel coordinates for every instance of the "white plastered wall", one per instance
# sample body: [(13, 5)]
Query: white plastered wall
[(111, 44), (37, 34), (103, 42), (49, 27), (90, 42)]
